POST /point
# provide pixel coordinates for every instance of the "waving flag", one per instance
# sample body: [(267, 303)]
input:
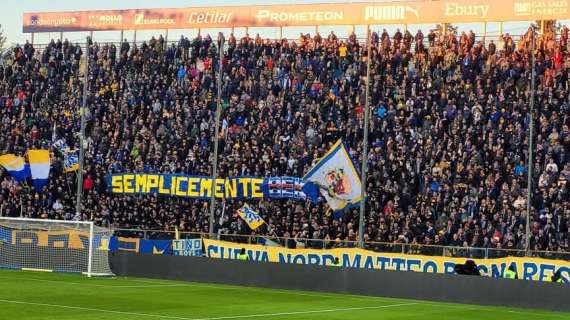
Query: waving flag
[(337, 179), (39, 166), (252, 218), (16, 166), (70, 161), (61, 145)]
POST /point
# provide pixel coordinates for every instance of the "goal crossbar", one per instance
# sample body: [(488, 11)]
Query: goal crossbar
[(45, 220)]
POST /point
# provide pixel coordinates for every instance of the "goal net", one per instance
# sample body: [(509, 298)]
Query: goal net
[(54, 246)]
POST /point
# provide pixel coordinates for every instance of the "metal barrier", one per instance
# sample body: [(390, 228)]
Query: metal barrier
[(322, 244), (486, 39)]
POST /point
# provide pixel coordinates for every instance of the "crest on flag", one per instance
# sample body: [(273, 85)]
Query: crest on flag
[(252, 218), (337, 179)]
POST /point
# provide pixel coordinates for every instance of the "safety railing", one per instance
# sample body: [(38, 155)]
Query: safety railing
[(486, 39), (323, 244)]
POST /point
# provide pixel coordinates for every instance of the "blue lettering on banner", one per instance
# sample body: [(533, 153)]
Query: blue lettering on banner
[(498, 270), (412, 263), (565, 274), (347, 263), (313, 259), (328, 259), (283, 259), (369, 263), (299, 259), (398, 263), (483, 269), (212, 251), (253, 255), (383, 262), (262, 256), (222, 251), (544, 267), (530, 269), (448, 267), (430, 266)]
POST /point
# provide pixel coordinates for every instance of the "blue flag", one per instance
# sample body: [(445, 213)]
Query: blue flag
[(163, 247)]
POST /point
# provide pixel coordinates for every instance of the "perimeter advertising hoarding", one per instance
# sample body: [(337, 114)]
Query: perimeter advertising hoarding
[(363, 13)]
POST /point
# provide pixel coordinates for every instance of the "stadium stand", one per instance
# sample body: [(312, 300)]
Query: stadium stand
[(448, 140)]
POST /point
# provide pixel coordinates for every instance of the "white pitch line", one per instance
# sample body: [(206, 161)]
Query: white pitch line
[(536, 313), (174, 283), (215, 318), (157, 285), (307, 312), (141, 286), (93, 309), (273, 290), (170, 283)]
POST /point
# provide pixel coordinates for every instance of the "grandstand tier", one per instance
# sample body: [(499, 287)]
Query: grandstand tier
[(448, 143)]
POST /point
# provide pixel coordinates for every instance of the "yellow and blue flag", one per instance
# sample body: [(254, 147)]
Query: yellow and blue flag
[(252, 218), (337, 179), (16, 166), (39, 167), (70, 161)]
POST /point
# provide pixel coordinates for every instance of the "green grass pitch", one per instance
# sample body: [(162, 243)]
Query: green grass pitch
[(34, 296)]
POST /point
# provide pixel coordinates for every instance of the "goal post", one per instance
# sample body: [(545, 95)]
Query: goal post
[(54, 246)]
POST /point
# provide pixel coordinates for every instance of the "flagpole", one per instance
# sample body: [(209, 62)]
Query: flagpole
[(365, 142), (21, 207), (216, 133), (82, 132), (530, 141)]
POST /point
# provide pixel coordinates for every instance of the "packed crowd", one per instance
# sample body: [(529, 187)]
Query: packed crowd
[(448, 139)]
